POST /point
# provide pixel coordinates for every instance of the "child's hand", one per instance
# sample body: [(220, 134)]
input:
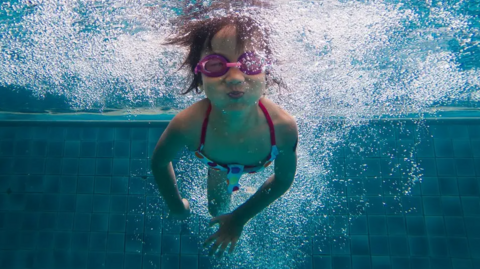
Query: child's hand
[(229, 232), (183, 214)]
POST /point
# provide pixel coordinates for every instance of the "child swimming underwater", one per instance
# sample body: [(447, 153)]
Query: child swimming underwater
[(234, 130)]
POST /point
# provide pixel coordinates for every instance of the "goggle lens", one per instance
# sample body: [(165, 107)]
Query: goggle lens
[(215, 65)]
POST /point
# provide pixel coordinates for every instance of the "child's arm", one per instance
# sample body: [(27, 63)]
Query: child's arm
[(171, 141)]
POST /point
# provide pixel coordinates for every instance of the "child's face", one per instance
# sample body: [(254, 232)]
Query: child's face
[(217, 89)]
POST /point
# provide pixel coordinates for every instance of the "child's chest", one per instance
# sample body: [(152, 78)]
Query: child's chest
[(249, 148)]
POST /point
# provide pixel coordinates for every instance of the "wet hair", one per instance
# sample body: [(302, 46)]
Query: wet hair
[(196, 29)]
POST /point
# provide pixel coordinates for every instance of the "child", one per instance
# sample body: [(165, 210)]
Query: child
[(234, 130)]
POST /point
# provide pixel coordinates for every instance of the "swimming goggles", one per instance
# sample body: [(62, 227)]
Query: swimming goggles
[(216, 65)]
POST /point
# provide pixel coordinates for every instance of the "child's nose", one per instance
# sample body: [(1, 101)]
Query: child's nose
[(234, 76)]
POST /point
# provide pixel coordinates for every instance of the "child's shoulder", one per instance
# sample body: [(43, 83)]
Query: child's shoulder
[(188, 122), (285, 125)]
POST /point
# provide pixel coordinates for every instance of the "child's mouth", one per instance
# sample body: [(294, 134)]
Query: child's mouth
[(236, 94)]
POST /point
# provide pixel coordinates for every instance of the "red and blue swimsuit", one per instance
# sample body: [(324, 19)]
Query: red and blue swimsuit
[(235, 171)]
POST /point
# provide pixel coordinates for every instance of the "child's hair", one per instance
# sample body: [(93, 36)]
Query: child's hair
[(196, 29)]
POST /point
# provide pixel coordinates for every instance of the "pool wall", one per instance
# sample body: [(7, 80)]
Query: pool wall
[(72, 195)]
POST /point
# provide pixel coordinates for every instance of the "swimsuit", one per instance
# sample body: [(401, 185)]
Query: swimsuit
[(235, 171)]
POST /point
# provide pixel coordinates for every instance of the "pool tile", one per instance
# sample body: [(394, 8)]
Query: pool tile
[(139, 167), (388, 148), (86, 166), (99, 223), (55, 149), (118, 203), (398, 245), (62, 240), (438, 246), (471, 226), (412, 205), (379, 245), (380, 262), (341, 262), (119, 185), (80, 241), (72, 149), (155, 133), (429, 166), (153, 243), (134, 242), (355, 187), (474, 245), (392, 205), (70, 166), (88, 149), (418, 245), (446, 167), (6, 148), (50, 202), (443, 148), (420, 262), (64, 221), (102, 185), (358, 225), (103, 167), (475, 147), (116, 223), (22, 148), (462, 263), (170, 261), (153, 261), (451, 206), (27, 240), (136, 185), (462, 148), (96, 259), (89, 133), (430, 186), (396, 225), (136, 204), (435, 225), (122, 134), (375, 205), (68, 184), (39, 148), (73, 133), (116, 242), (441, 263), (400, 262), (189, 244), (104, 149), (321, 245), (373, 186), (405, 148), (425, 147), (377, 225), (133, 260), (361, 262), (477, 166), (98, 241), (122, 149), (432, 205), (106, 134), (471, 205), (465, 167), (468, 186), (189, 261), (121, 167), (114, 260), (454, 226), (53, 166), (134, 223), (458, 247), (101, 203), (416, 225), (85, 184), (360, 245), (448, 185), (81, 222), (440, 131)]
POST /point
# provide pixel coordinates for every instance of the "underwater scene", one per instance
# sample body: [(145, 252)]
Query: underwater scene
[(385, 95)]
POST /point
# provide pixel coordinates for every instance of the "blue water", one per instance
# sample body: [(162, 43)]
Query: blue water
[(389, 153), (80, 196)]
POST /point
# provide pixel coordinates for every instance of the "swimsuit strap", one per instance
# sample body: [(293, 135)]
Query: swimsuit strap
[(204, 126), (270, 123)]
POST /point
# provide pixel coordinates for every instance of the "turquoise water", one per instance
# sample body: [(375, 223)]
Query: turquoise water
[(385, 93)]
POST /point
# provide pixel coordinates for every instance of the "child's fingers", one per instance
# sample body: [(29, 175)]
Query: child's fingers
[(214, 221), (210, 239), (232, 245)]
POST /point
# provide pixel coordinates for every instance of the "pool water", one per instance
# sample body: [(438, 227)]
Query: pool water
[(80, 195)]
